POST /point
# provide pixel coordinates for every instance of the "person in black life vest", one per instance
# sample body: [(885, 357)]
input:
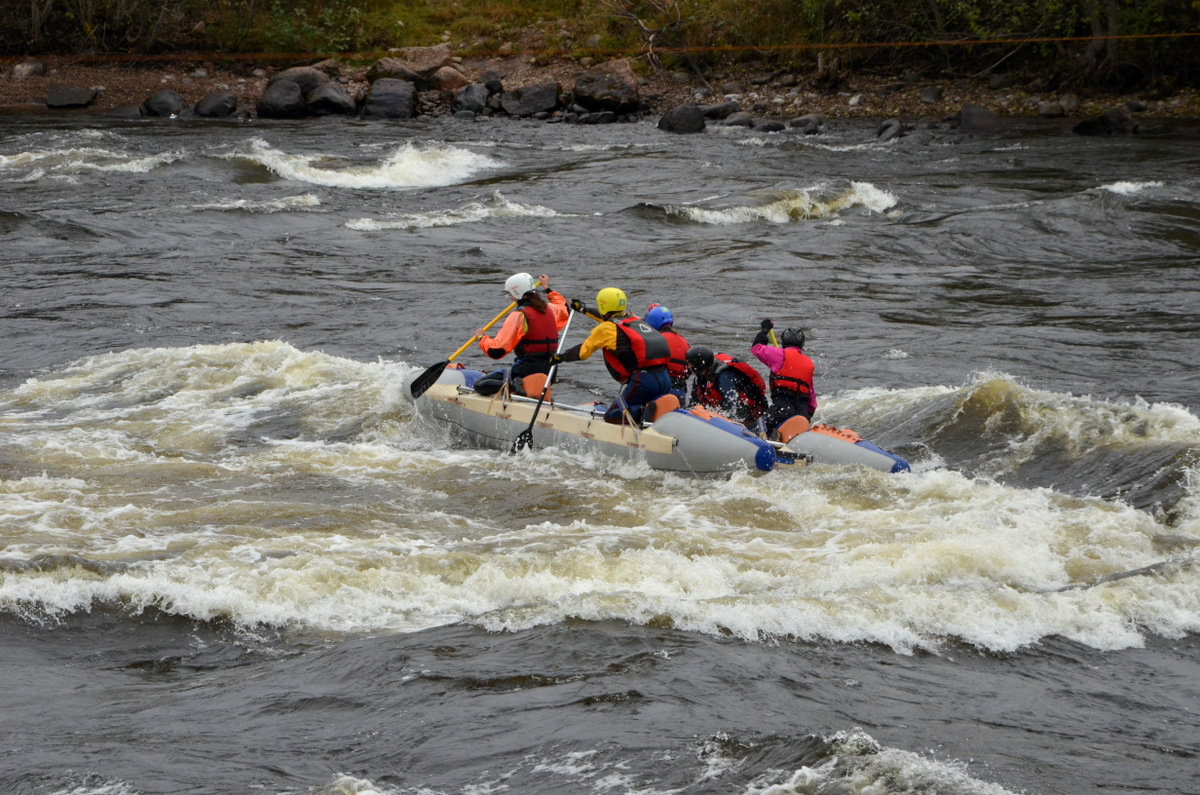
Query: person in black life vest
[(664, 323), (726, 385), (635, 354), (530, 332), (793, 396)]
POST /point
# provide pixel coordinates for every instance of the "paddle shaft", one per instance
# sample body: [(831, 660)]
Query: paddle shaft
[(525, 438), (427, 379), (476, 338)]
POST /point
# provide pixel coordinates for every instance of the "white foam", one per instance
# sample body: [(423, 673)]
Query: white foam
[(304, 201), (497, 206), (179, 498), (409, 166), (860, 764), (793, 205), (76, 160), (1129, 187)]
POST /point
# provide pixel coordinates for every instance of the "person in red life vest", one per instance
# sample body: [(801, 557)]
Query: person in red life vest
[(635, 354), (664, 323), (726, 385), (530, 332), (792, 392)]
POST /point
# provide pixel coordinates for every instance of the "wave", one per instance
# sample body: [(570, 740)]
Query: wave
[(996, 427), (73, 160), (268, 486), (787, 206), (496, 206), (409, 166), (1130, 188), (304, 201)]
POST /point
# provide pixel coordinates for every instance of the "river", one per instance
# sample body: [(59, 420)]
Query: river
[(232, 560)]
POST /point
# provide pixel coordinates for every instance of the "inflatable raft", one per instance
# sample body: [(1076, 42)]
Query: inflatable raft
[(695, 441)]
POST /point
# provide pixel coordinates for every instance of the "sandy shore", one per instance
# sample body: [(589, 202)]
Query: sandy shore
[(778, 95)]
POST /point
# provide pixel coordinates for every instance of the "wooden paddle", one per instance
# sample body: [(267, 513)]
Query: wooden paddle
[(428, 378), (525, 438)]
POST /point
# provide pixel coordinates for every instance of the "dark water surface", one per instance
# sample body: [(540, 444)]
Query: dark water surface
[(232, 561)]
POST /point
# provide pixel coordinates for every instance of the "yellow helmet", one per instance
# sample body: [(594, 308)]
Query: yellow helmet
[(609, 300)]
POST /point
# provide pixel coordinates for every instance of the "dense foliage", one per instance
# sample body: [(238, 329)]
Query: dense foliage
[(1106, 41)]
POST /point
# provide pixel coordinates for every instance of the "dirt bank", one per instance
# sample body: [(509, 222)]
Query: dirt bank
[(780, 95)]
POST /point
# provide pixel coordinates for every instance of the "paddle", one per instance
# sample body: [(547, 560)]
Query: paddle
[(428, 378), (525, 438)]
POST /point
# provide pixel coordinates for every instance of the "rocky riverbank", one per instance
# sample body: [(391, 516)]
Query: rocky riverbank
[(119, 86)]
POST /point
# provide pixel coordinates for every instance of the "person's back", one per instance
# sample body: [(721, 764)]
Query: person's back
[(530, 333), (663, 321), (727, 385), (792, 390), (634, 352)]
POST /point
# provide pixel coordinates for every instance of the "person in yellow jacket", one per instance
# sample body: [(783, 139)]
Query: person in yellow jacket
[(635, 354), (530, 332)]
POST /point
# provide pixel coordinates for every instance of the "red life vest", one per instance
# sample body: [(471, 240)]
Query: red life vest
[(795, 374), (639, 347), (752, 398), (677, 366), (541, 336)]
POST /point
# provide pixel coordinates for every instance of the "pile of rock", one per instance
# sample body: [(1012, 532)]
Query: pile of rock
[(421, 81)]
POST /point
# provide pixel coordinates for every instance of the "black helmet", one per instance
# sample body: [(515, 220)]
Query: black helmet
[(792, 338), (699, 359)]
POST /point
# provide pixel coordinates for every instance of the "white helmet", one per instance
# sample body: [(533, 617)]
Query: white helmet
[(518, 284)]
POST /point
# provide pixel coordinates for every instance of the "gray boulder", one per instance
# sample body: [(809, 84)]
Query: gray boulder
[(740, 119), (331, 98), (447, 78), (892, 128), (599, 117), (976, 119), (165, 103), (1118, 121), (721, 110), (27, 69), (611, 86), (66, 97), (471, 98), (809, 124), (216, 105), (531, 100), (307, 77), (768, 125), (414, 64), (282, 99), (1050, 108), (682, 119), (390, 98)]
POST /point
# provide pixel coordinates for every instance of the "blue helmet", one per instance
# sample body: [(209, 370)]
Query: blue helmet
[(660, 316)]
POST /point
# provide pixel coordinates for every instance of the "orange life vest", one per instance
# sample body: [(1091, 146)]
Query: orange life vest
[(795, 374), (677, 366), (541, 336)]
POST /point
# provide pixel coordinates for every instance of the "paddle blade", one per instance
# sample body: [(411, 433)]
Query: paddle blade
[(427, 379), (525, 439)]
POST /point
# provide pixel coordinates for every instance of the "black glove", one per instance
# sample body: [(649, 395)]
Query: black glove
[(578, 306), (556, 359), (767, 325), (763, 337)]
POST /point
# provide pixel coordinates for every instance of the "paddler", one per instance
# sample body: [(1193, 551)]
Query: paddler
[(793, 397), (726, 385), (663, 322), (530, 332), (635, 354)]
